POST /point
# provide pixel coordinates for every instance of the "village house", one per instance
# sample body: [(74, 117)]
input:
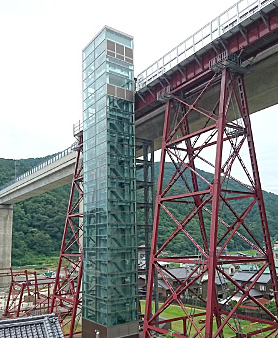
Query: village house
[(229, 269), (263, 284), (221, 285), (174, 278)]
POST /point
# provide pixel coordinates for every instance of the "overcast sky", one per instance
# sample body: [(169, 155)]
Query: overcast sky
[(41, 44)]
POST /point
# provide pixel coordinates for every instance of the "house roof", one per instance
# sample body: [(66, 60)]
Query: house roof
[(276, 268), (46, 326), (248, 267), (263, 300), (226, 266), (252, 305), (162, 284), (245, 276), (180, 273), (247, 307), (218, 281), (253, 292)]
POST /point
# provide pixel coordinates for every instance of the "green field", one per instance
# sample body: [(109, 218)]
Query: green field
[(41, 264), (175, 311)]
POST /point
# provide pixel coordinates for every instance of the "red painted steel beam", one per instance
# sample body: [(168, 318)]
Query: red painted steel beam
[(258, 188), (212, 198), (212, 261), (148, 306), (249, 44), (33, 292), (67, 297)]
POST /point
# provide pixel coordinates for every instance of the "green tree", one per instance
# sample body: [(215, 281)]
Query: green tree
[(271, 306)]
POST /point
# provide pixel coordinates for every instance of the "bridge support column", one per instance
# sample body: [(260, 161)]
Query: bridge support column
[(214, 212), (6, 223)]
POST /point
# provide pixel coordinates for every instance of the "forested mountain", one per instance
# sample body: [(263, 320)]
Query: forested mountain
[(39, 221), (182, 245)]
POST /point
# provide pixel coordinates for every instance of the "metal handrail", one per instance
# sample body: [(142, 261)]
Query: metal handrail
[(214, 29), (77, 127), (55, 158)]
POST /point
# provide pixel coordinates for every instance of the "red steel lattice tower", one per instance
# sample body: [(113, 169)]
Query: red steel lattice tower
[(207, 125), (67, 295)]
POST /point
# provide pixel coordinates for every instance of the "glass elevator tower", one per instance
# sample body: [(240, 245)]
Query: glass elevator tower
[(110, 303)]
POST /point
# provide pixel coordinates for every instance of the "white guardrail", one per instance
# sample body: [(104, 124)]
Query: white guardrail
[(40, 166), (214, 29)]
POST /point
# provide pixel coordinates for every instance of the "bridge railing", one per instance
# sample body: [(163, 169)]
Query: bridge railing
[(77, 128), (214, 29), (53, 159)]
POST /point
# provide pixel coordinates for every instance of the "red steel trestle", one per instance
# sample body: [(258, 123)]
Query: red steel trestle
[(67, 295), (211, 215)]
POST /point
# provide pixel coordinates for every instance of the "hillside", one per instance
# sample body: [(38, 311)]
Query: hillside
[(39, 221), (181, 245)]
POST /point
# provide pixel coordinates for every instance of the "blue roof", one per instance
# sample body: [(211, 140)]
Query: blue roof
[(248, 267), (225, 266), (276, 268)]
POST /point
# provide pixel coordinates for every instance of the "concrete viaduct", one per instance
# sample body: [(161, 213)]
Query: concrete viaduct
[(262, 89), (45, 178)]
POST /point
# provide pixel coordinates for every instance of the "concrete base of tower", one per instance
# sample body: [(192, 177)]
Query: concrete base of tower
[(128, 330), (6, 223)]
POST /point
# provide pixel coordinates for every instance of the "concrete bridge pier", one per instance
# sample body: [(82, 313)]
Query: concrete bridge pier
[(6, 223)]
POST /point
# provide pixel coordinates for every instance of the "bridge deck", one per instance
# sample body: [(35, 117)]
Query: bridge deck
[(245, 30), (40, 179)]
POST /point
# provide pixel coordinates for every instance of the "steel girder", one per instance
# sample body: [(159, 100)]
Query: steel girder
[(213, 214), (259, 35), (67, 295)]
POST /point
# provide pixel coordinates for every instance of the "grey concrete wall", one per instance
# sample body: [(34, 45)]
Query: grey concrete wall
[(6, 223)]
